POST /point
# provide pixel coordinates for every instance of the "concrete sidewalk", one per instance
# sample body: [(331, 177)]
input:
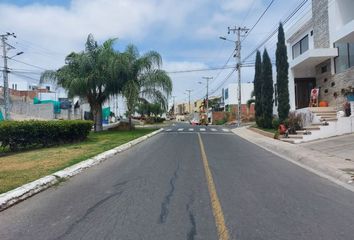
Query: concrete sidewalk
[(331, 158)]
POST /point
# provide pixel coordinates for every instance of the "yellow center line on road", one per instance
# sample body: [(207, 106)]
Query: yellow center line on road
[(223, 232)]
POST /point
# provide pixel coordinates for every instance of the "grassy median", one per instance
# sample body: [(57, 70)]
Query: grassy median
[(19, 168)]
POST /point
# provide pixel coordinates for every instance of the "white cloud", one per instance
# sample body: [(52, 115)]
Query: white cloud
[(186, 31), (239, 5)]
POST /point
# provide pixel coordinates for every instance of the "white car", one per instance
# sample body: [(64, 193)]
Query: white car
[(194, 121)]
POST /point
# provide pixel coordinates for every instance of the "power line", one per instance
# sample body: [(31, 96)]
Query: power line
[(259, 19), (24, 76), (276, 30), (199, 70), (221, 69), (28, 64), (248, 12), (223, 82)]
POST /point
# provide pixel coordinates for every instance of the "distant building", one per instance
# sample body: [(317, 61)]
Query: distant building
[(230, 94)]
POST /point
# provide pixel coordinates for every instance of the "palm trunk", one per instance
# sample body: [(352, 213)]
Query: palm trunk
[(130, 123), (97, 116)]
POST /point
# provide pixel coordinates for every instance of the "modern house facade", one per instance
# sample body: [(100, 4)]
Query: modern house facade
[(321, 53), (320, 49), (230, 94)]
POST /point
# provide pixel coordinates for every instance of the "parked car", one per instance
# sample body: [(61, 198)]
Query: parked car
[(194, 121)]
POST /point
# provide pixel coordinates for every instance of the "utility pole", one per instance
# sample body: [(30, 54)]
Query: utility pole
[(189, 99), (174, 105), (238, 31), (5, 73), (207, 95)]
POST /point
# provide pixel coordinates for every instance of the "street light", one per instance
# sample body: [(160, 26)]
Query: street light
[(226, 39), (19, 53)]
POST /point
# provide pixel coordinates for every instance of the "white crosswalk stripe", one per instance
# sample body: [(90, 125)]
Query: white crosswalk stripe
[(202, 129), (191, 129), (226, 130), (168, 130), (213, 129), (180, 129)]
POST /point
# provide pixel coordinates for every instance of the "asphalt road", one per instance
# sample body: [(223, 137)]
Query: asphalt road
[(160, 189)]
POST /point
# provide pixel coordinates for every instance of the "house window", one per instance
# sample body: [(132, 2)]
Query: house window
[(351, 54), (48, 88), (301, 46), (275, 95), (15, 86), (226, 93), (324, 69), (296, 50), (341, 62)]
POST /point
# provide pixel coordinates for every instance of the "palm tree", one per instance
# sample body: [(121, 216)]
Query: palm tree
[(145, 80), (93, 74)]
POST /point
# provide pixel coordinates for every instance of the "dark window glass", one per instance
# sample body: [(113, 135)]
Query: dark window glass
[(226, 93), (275, 95), (351, 54), (296, 50), (301, 47), (324, 69), (342, 61), (304, 44)]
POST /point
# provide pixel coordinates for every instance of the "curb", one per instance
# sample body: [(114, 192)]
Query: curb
[(25, 191), (307, 159)]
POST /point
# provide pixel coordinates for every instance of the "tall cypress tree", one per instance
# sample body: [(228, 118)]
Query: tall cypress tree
[(267, 90), (282, 75), (258, 88)]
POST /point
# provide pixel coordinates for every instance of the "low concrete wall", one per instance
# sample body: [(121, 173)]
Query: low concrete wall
[(64, 114), (344, 125), (42, 111)]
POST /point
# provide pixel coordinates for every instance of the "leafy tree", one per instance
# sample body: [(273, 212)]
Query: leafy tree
[(282, 76), (143, 108), (93, 74), (156, 109), (267, 91), (258, 82), (145, 79)]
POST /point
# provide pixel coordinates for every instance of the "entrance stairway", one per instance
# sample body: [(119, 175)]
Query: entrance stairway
[(325, 123)]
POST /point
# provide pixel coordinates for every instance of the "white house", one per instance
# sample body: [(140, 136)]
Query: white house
[(320, 50), (230, 93), (321, 53)]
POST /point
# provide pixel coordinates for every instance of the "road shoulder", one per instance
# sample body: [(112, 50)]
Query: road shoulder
[(322, 164), (25, 191)]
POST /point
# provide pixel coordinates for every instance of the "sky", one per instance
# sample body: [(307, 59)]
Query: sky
[(186, 34)]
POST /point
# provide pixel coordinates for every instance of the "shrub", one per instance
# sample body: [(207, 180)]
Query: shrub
[(294, 121), (276, 123), (276, 135), (260, 122), (25, 134), (220, 122), (151, 120)]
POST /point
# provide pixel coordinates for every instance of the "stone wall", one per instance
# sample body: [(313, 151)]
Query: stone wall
[(331, 86), (320, 23)]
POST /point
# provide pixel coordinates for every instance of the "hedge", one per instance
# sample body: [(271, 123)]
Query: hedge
[(26, 134)]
